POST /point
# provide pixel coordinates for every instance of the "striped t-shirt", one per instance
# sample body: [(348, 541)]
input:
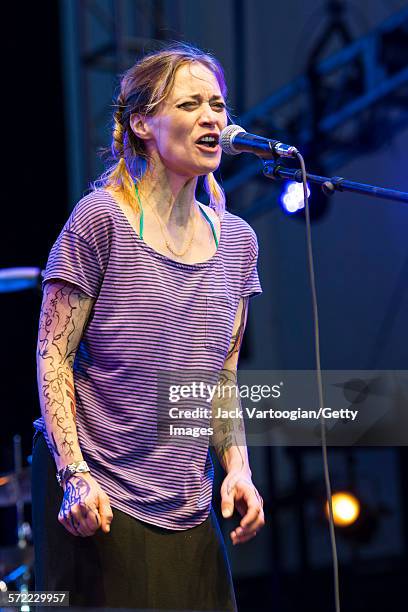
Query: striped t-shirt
[(152, 315)]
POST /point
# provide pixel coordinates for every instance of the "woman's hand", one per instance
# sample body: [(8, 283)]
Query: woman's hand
[(239, 491), (85, 507)]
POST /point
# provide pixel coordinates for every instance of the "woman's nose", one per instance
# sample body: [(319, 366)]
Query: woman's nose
[(208, 115)]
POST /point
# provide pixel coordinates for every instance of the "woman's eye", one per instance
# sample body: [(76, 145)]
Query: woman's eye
[(188, 105), (219, 105)]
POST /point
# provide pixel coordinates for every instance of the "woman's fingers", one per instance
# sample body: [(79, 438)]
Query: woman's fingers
[(105, 511), (242, 538), (65, 519), (84, 519), (80, 520), (93, 519)]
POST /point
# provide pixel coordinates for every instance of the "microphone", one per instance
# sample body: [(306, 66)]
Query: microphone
[(234, 140)]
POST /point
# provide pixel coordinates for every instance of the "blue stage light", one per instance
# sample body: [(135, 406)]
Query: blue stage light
[(292, 197)]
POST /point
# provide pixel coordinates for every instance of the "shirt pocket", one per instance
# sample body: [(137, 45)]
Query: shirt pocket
[(219, 323)]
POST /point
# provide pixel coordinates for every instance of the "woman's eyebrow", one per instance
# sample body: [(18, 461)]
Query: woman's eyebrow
[(199, 97)]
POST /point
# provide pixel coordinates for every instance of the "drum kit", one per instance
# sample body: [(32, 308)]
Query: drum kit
[(16, 562)]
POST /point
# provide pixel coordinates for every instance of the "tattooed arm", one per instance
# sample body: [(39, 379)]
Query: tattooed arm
[(229, 432), (229, 442), (64, 313)]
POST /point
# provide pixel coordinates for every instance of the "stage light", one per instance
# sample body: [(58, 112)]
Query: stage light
[(346, 508), (292, 197)]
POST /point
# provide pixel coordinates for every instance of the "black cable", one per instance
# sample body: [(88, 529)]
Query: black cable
[(319, 383)]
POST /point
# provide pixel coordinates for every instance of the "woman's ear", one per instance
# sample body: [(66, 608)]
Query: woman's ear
[(140, 126)]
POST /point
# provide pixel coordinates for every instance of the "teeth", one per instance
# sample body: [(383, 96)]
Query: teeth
[(208, 139)]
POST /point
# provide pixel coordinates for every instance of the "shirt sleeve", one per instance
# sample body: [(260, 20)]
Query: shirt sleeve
[(72, 259), (252, 286), (80, 254)]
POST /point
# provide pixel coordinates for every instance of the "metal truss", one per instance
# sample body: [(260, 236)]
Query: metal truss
[(351, 103), (342, 107), (100, 39)]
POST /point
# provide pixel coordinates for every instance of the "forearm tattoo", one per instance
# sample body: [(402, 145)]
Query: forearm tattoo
[(64, 313), (236, 340), (229, 430)]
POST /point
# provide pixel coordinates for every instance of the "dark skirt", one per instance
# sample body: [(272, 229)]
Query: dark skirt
[(136, 565)]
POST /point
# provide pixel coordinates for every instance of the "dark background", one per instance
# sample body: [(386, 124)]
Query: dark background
[(34, 205), (361, 256), (34, 194)]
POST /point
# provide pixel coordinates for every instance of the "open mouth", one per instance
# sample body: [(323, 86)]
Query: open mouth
[(210, 142)]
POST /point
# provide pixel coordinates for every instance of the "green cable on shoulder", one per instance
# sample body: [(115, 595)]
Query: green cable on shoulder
[(141, 212), (142, 218)]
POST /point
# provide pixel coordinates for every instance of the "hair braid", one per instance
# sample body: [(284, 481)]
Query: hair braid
[(216, 194), (119, 176), (118, 131)]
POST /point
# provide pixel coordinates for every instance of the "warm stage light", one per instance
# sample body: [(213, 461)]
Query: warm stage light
[(346, 508)]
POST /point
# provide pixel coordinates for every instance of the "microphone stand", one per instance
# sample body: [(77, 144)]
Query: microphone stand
[(275, 170)]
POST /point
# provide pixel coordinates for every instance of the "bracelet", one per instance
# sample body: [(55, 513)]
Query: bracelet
[(69, 470)]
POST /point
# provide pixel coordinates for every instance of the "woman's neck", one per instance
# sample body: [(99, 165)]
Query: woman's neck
[(170, 195)]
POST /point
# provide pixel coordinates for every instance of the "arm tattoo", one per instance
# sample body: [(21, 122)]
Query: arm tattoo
[(236, 340), (64, 312), (228, 430), (228, 436), (71, 394), (54, 445)]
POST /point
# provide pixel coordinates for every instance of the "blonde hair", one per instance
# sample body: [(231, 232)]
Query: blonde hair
[(142, 89)]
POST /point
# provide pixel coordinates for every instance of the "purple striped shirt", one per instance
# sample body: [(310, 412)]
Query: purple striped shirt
[(151, 314)]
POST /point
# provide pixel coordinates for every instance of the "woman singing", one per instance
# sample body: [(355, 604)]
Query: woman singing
[(144, 279)]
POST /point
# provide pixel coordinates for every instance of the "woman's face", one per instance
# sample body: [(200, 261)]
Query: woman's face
[(195, 108)]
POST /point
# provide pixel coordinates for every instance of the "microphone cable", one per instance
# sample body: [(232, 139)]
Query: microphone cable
[(259, 145), (319, 382)]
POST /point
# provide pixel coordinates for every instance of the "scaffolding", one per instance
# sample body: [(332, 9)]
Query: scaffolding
[(342, 107)]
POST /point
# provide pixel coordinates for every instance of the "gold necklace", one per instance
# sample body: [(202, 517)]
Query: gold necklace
[(168, 245)]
